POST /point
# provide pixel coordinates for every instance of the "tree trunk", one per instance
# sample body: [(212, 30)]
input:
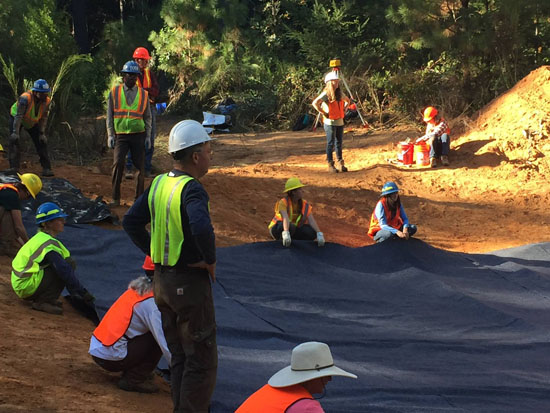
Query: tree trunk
[(79, 8)]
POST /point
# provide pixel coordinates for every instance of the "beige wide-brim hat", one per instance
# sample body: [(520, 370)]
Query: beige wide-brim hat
[(309, 361)]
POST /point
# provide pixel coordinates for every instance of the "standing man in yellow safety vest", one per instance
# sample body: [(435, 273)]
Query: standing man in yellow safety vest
[(128, 127), (182, 246), (11, 222), (31, 112), (148, 81)]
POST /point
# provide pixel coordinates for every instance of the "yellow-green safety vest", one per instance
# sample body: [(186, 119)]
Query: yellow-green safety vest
[(166, 225), (128, 119), (27, 269)]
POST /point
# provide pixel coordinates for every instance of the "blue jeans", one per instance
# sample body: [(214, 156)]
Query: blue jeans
[(335, 134), (440, 146), (384, 235), (148, 152)]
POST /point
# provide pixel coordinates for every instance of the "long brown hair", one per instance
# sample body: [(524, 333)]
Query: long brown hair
[(333, 94)]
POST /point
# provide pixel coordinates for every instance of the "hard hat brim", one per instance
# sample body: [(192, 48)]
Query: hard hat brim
[(293, 188)]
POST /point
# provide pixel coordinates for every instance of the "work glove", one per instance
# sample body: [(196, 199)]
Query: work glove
[(148, 143), (286, 239), (320, 239), (42, 138), (14, 137), (111, 142)]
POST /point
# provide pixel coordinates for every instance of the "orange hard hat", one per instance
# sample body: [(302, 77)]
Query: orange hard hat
[(429, 113), (148, 264), (141, 53)]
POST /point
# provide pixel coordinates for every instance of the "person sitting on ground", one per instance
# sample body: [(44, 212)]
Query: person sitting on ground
[(11, 221), (130, 338), (43, 267), (30, 112), (438, 135), (293, 217), (388, 220), (291, 389)]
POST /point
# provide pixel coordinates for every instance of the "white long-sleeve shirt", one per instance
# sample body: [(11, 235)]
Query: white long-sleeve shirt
[(146, 317)]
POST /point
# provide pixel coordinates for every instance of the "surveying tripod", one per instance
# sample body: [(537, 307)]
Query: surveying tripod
[(335, 64)]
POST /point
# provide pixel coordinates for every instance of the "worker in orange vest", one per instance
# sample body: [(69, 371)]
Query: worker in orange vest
[(130, 338), (293, 217), (148, 81), (11, 221), (31, 113), (389, 218), (291, 389), (438, 135)]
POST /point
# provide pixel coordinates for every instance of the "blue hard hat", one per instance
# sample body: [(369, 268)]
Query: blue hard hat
[(41, 86), (48, 211), (389, 188), (130, 67)]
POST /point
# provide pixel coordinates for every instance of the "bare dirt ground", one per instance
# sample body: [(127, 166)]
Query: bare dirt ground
[(494, 195)]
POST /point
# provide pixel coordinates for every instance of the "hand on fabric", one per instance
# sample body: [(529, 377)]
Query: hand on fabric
[(406, 232), (14, 137), (148, 143), (320, 239), (401, 234), (42, 138), (111, 142), (286, 239)]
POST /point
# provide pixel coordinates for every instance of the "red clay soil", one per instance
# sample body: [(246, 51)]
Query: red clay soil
[(494, 195)]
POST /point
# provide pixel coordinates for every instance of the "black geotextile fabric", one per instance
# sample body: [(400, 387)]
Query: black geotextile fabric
[(425, 330), (80, 210)]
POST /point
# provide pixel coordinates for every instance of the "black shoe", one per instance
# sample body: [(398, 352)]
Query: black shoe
[(143, 387), (47, 172), (129, 174), (114, 202), (148, 174), (49, 308)]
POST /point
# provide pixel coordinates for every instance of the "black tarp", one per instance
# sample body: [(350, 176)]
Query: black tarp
[(426, 330)]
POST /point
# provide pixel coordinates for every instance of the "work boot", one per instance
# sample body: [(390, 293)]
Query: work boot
[(331, 167), (148, 174), (433, 162), (114, 203), (49, 308), (129, 174), (143, 387), (343, 167), (445, 160), (47, 172)]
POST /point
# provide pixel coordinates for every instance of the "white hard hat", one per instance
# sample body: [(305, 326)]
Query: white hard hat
[(332, 76), (185, 134)]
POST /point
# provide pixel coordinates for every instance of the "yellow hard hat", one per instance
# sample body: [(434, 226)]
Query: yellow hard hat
[(32, 182), (2, 148), (293, 183)]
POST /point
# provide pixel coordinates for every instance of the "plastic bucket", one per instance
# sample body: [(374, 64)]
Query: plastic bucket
[(405, 153), (422, 153)]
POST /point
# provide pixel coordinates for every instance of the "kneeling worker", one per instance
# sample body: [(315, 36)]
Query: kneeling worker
[(43, 267), (11, 222), (293, 217), (291, 389), (130, 337)]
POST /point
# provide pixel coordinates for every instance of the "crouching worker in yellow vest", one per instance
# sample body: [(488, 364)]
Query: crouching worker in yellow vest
[(43, 267), (129, 338), (11, 222), (293, 217), (291, 389)]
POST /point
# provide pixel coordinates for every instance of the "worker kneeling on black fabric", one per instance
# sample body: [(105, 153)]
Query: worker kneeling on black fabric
[(43, 267), (129, 338)]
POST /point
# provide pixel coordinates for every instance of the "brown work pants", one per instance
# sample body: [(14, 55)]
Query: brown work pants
[(184, 298), (135, 143), (8, 245), (143, 355)]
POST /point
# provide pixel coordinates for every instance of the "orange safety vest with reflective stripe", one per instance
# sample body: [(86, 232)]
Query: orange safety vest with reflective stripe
[(273, 400), (128, 119), (147, 83), (300, 220), (116, 321), (8, 186), (31, 117), (335, 109), (395, 222)]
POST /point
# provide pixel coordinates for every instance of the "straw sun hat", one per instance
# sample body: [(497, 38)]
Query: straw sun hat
[(309, 361)]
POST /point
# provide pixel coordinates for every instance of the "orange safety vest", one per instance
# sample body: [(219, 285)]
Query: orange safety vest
[(273, 400), (116, 321), (335, 109), (30, 118), (395, 222), (147, 83), (10, 186), (306, 211)]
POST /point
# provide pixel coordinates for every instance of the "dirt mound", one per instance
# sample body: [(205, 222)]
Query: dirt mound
[(517, 123)]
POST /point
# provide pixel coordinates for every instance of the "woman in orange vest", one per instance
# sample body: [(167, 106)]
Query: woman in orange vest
[(388, 220), (332, 103), (130, 338), (291, 389), (438, 134), (293, 217)]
